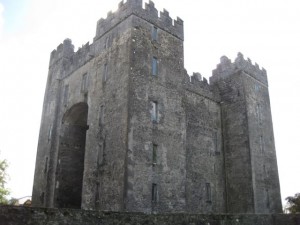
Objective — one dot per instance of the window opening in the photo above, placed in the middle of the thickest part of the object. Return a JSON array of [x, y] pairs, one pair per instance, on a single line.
[[101, 115], [46, 165], [154, 33], [261, 143], [154, 111], [154, 192], [258, 113], [66, 94], [84, 83], [154, 154], [208, 192], [50, 133], [105, 73], [154, 66]]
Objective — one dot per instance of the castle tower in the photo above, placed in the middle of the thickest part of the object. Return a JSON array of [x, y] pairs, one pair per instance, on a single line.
[[125, 128], [252, 182], [91, 111]]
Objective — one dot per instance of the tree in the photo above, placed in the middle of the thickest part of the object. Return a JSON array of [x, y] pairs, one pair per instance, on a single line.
[[3, 178], [293, 203]]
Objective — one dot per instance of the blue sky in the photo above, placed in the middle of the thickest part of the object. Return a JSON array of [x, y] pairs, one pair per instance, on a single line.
[[267, 31], [14, 13]]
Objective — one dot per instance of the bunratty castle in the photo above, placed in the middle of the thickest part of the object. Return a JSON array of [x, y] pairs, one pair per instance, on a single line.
[[125, 128]]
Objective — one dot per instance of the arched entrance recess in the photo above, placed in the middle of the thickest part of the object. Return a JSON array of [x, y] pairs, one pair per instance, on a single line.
[[71, 157]]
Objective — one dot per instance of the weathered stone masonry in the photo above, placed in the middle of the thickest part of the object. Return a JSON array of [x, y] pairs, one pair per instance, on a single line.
[[125, 128]]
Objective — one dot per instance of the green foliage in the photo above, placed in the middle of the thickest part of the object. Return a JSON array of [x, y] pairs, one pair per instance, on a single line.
[[3, 178], [293, 203]]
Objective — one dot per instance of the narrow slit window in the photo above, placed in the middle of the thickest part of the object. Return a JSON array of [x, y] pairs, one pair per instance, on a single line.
[[215, 139], [154, 66], [208, 192], [154, 111], [258, 113], [154, 154], [267, 199], [46, 165], [106, 42], [84, 83], [50, 133], [154, 33], [105, 73], [261, 143], [154, 193], [66, 94], [101, 115]]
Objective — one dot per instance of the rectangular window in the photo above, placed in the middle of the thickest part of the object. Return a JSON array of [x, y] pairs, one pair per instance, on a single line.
[[154, 33], [154, 111], [101, 115], [208, 192], [106, 42], [154, 66], [258, 113], [66, 94], [267, 199], [105, 73], [154, 193], [154, 154], [50, 133], [84, 83], [46, 165], [261, 143], [215, 139]]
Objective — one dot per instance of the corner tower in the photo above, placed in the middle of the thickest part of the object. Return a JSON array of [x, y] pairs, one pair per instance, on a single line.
[[252, 182], [85, 149]]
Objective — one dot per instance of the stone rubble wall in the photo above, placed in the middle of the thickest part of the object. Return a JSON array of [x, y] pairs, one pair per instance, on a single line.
[[10, 215]]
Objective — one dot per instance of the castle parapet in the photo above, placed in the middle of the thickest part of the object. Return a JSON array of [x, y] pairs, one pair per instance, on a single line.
[[72, 60], [226, 68], [150, 14], [199, 85], [64, 50]]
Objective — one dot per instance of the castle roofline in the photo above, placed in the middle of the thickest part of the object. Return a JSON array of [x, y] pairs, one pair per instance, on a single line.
[[149, 13], [226, 68]]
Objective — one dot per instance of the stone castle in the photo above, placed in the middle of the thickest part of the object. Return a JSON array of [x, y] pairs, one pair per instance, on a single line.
[[125, 128]]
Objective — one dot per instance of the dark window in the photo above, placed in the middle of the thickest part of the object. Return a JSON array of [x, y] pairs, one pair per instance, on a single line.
[[154, 33], [154, 154], [46, 165], [106, 42], [154, 192], [66, 94], [154, 66], [261, 143], [215, 140], [50, 133], [84, 83], [208, 192], [267, 199]]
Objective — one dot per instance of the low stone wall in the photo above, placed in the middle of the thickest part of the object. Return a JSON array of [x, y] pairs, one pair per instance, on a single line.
[[42, 216]]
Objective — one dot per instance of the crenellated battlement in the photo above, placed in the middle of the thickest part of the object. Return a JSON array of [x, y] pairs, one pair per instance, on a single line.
[[72, 60], [226, 68], [64, 50], [199, 85], [149, 13]]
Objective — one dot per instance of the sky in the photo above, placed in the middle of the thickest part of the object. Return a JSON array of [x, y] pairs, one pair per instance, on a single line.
[[267, 31]]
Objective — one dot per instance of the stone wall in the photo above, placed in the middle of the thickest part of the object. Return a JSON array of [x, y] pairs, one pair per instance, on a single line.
[[41, 216]]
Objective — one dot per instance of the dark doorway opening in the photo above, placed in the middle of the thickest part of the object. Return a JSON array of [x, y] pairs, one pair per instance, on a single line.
[[70, 165]]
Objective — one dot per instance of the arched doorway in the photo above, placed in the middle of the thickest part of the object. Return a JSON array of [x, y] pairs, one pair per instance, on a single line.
[[71, 157]]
